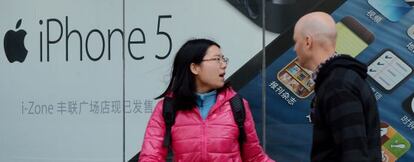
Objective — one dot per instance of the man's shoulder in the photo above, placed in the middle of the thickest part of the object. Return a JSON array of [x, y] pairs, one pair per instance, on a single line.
[[342, 80]]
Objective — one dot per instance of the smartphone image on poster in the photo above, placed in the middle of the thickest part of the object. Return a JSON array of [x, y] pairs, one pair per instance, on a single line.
[[253, 79]]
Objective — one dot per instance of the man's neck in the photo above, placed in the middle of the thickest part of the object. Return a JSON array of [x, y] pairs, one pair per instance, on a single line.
[[317, 69], [321, 57]]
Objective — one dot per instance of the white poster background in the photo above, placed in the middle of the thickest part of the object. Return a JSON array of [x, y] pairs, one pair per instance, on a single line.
[[30, 133], [61, 136]]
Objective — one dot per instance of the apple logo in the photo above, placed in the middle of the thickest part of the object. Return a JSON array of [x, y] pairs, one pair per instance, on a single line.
[[14, 44]]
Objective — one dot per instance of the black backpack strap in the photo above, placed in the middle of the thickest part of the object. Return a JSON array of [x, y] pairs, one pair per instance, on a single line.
[[168, 113], [239, 114], [135, 158]]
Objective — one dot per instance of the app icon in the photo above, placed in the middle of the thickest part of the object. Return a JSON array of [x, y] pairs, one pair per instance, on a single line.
[[410, 32], [388, 70], [352, 37], [393, 10], [394, 145], [408, 105], [296, 79]]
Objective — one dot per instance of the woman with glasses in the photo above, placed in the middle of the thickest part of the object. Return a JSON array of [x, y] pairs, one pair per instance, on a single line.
[[204, 127]]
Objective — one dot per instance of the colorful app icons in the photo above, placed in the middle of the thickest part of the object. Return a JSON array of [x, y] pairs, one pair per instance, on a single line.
[[394, 145], [410, 31], [296, 79], [408, 105], [352, 37], [388, 70], [393, 10]]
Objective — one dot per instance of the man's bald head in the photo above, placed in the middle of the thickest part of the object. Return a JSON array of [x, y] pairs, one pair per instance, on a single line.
[[318, 25], [315, 39]]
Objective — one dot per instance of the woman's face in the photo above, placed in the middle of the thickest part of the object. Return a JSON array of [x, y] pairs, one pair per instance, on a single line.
[[209, 74]]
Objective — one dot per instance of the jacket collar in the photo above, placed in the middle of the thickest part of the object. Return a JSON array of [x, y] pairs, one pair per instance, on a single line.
[[342, 61], [223, 95]]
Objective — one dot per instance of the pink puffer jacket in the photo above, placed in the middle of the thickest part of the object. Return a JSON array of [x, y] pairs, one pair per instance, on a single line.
[[214, 139]]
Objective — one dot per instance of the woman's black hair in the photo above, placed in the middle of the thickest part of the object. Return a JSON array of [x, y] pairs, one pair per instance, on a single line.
[[182, 83]]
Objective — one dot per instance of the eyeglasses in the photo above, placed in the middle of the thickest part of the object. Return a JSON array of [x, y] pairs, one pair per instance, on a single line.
[[219, 60]]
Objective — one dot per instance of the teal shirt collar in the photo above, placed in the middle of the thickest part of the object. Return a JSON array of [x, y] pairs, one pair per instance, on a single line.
[[205, 101]]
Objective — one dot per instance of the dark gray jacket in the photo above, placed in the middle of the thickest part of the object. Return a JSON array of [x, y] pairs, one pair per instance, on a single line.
[[344, 114]]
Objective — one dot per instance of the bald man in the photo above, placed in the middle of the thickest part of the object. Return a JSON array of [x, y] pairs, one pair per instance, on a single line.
[[344, 110]]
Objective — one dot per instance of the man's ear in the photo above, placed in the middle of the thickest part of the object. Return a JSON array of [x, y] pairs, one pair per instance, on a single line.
[[308, 41], [194, 68]]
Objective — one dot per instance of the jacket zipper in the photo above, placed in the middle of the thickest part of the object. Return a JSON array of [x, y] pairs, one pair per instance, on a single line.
[[203, 138], [204, 145]]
